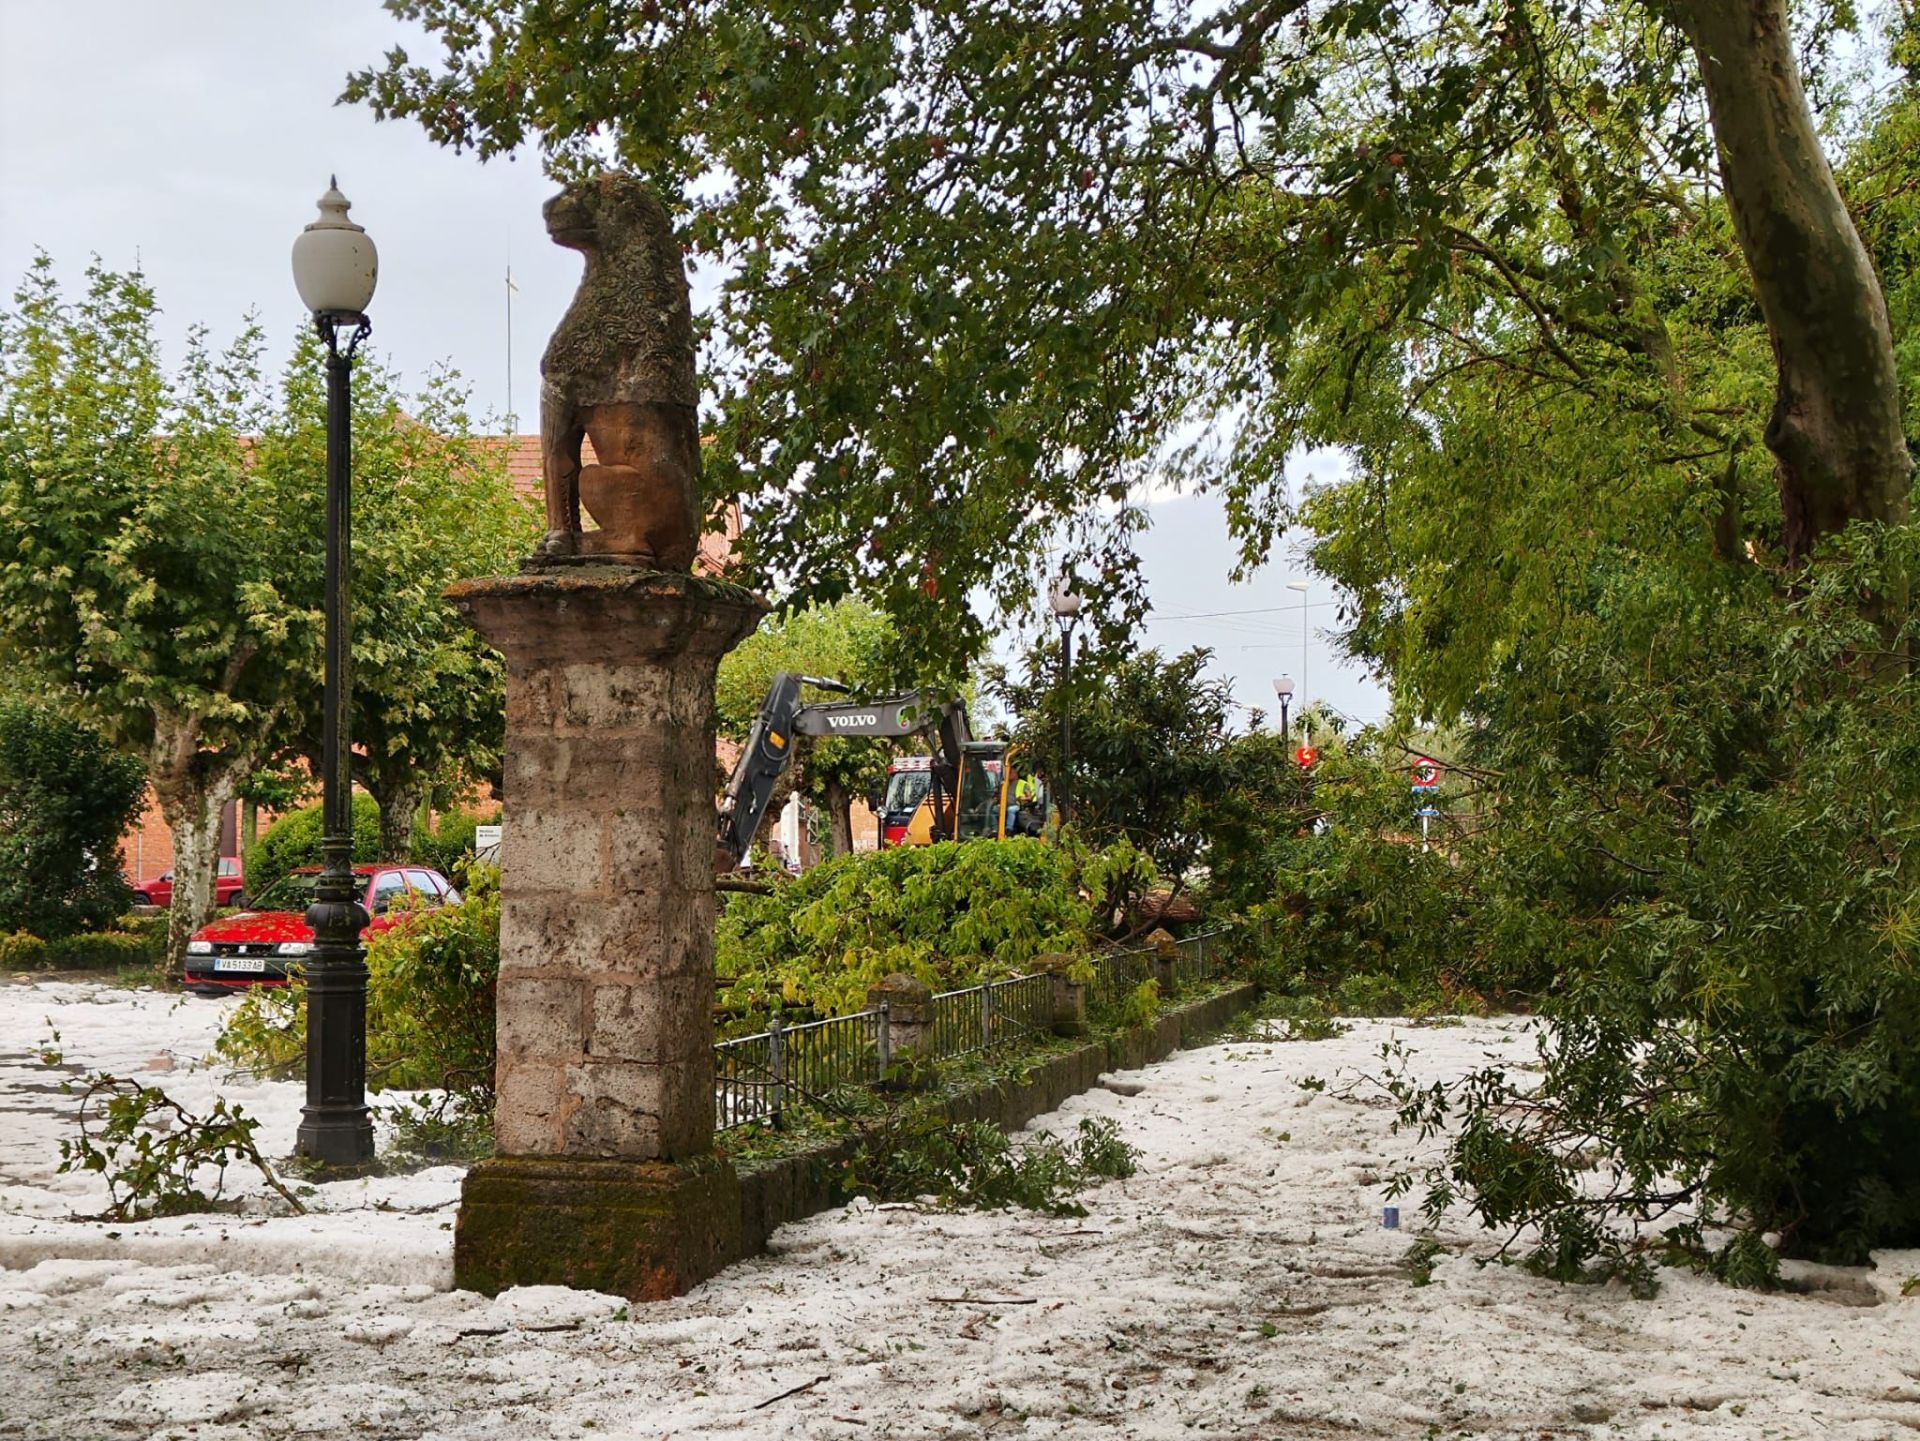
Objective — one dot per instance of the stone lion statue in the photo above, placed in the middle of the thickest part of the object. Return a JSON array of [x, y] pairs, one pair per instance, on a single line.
[[619, 372]]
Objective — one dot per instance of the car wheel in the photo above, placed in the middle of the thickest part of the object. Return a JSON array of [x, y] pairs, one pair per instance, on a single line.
[[239, 901]]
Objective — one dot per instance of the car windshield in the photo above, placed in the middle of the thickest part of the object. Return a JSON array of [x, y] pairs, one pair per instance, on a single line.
[[289, 893]]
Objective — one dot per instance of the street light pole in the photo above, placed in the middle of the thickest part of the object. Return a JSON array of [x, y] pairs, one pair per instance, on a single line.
[[1066, 612], [1302, 586], [335, 267]]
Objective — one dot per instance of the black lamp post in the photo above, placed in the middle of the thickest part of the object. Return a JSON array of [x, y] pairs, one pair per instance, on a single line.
[[335, 266], [1283, 691], [1066, 611]]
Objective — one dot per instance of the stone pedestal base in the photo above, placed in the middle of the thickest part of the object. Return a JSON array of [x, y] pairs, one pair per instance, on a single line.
[[605, 1178], [645, 1230]]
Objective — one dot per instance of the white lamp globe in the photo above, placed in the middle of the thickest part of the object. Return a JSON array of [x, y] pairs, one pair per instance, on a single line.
[[1283, 687], [1063, 601], [335, 265]]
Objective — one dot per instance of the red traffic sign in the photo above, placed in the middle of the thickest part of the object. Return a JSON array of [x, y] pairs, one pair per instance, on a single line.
[[1306, 755], [1426, 773]]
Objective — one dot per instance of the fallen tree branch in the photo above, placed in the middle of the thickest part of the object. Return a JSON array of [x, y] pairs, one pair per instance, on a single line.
[[790, 1391]]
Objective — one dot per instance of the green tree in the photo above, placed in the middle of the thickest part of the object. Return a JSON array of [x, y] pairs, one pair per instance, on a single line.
[[987, 261], [432, 505], [1150, 744], [149, 576], [849, 642], [66, 799], [1264, 801], [294, 840], [1695, 767], [1575, 290]]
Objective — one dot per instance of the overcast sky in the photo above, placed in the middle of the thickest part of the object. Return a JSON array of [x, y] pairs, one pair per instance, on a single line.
[[192, 137]]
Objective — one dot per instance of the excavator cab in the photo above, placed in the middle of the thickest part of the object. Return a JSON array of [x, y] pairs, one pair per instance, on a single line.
[[917, 809], [1026, 802], [980, 813]]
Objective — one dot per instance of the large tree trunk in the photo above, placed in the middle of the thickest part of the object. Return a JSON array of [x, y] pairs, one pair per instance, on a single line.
[[840, 817], [192, 805], [399, 791], [1836, 429]]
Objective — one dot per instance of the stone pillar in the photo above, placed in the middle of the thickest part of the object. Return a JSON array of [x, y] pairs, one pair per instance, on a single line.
[[605, 1177], [909, 1006], [1069, 997], [1166, 955]]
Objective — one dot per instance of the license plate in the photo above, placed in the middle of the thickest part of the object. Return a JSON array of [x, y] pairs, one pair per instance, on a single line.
[[255, 964]]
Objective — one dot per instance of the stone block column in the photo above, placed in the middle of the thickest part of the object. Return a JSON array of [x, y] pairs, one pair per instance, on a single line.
[[605, 1177], [1068, 996], [1166, 960], [909, 1008]]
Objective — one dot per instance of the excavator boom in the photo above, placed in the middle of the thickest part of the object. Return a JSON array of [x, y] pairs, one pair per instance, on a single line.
[[769, 747]]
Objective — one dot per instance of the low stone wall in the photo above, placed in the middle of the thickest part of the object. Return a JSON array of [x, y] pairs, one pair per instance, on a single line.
[[773, 1193]]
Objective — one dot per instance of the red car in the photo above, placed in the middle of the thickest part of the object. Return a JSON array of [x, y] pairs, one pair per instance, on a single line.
[[229, 886], [257, 947]]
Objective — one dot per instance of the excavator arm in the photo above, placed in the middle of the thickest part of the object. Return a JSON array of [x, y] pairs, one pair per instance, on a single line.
[[783, 715]]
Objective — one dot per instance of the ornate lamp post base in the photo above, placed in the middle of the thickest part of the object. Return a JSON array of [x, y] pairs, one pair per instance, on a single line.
[[336, 1126]]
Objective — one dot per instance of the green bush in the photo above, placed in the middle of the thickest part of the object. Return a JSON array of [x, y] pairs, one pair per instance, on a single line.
[[20, 951], [66, 798], [104, 951], [89, 951], [152, 927], [1141, 1005], [974, 1165], [951, 914], [430, 1004], [294, 841], [437, 975]]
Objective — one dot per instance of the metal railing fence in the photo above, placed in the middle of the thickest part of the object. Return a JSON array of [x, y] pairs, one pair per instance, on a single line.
[[1116, 974], [757, 1076], [1023, 1007], [979, 1017], [1193, 965], [745, 1081]]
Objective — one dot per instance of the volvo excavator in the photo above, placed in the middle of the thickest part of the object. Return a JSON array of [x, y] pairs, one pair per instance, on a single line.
[[972, 784]]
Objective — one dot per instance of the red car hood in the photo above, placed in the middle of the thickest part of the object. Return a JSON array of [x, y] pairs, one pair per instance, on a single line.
[[258, 926]]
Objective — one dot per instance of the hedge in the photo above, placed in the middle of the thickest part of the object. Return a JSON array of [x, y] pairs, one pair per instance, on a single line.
[[294, 841], [22, 952], [89, 951]]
